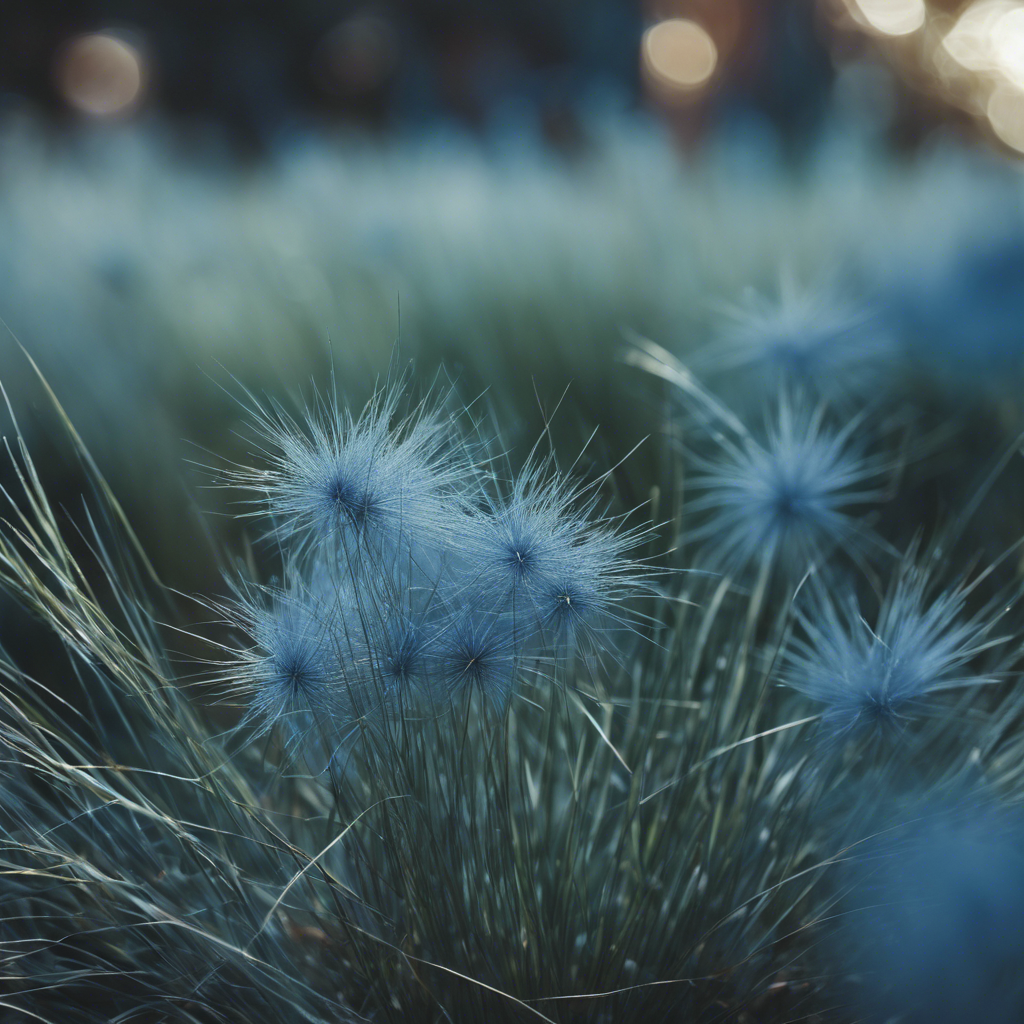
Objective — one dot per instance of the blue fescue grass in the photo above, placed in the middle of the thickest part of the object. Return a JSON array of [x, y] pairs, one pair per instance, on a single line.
[[161, 903], [417, 573], [483, 762], [628, 845], [781, 500], [479, 651]]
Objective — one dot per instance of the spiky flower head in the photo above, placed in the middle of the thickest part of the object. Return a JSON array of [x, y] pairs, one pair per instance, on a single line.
[[288, 674], [479, 651], [543, 554], [789, 499], [377, 480], [877, 677], [435, 580]]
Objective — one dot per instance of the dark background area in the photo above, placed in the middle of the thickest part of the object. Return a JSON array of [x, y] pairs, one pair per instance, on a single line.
[[262, 70]]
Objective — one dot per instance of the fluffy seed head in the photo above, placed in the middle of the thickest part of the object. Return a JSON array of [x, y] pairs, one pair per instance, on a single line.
[[788, 499], [479, 651], [544, 556], [291, 671], [875, 678], [402, 634], [586, 596], [430, 583], [370, 480], [520, 544]]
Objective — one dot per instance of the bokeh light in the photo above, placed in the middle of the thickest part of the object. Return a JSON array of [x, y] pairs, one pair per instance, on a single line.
[[100, 75], [1006, 115], [893, 17], [967, 53], [1008, 42], [679, 56], [970, 42]]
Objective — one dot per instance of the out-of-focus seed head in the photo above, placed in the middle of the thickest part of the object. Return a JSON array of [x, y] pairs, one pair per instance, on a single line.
[[789, 499], [810, 338], [932, 916]]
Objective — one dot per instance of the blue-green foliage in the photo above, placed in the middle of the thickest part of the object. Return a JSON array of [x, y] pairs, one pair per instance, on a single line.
[[657, 840], [903, 640]]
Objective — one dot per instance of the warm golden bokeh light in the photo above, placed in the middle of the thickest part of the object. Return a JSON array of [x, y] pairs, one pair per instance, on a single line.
[[679, 55], [893, 17], [1006, 114], [970, 53], [970, 42], [1008, 45], [100, 75]]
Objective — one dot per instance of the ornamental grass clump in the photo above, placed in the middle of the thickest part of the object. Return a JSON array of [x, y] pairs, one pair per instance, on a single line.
[[414, 574], [630, 844], [482, 761]]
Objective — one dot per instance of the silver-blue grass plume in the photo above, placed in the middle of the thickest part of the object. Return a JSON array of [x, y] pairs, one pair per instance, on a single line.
[[541, 551], [384, 480], [440, 580]]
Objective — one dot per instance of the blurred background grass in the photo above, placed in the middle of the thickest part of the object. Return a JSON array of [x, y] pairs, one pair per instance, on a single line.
[[197, 199]]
